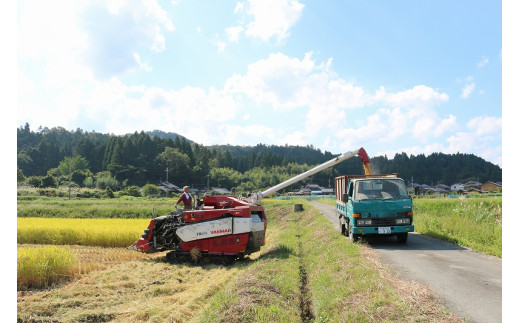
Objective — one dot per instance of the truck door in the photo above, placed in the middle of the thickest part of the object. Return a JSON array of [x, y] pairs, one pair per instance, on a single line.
[[349, 206]]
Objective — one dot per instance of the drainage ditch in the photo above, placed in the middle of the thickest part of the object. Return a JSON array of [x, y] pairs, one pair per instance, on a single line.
[[306, 310]]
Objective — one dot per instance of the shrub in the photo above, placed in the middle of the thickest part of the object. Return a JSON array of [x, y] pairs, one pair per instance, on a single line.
[[79, 177], [151, 190], [131, 191], [35, 181], [49, 181], [89, 182], [109, 192]]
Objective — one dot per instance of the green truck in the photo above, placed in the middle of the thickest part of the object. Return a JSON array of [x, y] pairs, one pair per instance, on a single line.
[[373, 205]]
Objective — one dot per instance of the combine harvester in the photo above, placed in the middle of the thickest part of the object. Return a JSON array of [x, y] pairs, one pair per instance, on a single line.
[[223, 225]]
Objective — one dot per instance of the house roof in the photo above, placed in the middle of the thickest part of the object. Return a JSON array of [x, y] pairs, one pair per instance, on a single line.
[[220, 190], [494, 183], [167, 186]]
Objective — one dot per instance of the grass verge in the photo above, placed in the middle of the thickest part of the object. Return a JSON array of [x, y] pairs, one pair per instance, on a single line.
[[308, 273]]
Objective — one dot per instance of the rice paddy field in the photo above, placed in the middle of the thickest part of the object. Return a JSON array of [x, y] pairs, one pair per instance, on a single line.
[[85, 232], [472, 222], [76, 268]]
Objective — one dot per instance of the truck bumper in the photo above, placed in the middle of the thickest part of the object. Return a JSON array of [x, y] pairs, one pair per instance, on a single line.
[[375, 230]]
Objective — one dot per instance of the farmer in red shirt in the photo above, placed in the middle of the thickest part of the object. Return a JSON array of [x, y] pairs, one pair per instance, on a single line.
[[186, 198]]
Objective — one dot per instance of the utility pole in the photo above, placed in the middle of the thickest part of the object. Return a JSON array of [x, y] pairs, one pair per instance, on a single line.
[[207, 187], [70, 174], [166, 174]]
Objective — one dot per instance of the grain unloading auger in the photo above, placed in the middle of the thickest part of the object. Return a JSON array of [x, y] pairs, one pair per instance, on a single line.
[[222, 225]]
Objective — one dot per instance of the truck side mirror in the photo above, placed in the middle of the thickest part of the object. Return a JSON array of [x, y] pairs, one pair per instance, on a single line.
[[345, 198]]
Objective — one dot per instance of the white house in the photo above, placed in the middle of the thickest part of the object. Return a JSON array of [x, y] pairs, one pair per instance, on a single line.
[[457, 187]]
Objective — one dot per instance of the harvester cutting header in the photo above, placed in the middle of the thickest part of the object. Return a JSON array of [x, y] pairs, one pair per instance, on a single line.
[[223, 225]]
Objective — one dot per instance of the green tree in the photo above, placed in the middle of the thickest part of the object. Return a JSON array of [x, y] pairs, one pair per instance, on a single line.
[[19, 177], [105, 179], [225, 177], [72, 164], [177, 164]]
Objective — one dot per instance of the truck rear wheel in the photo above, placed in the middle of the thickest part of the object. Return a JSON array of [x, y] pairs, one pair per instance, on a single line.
[[402, 237], [341, 228]]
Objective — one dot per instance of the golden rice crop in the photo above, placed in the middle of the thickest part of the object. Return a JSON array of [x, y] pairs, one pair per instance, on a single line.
[[43, 266], [88, 232]]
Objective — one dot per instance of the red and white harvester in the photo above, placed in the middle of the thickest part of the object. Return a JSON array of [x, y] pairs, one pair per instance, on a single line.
[[221, 225]]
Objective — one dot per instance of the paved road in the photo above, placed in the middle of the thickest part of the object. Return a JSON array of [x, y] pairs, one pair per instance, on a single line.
[[470, 283]]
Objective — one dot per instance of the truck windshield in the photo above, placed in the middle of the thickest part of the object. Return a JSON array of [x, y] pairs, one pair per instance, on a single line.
[[380, 189]]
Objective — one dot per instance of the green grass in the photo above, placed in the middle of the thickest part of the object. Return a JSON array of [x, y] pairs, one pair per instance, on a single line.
[[472, 222], [307, 265], [125, 207]]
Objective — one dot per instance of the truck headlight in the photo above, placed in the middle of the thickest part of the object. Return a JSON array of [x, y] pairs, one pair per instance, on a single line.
[[402, 221], [364, 222]]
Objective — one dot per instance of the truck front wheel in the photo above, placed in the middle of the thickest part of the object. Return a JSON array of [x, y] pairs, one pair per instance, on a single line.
[[353, 237], [402, 237]]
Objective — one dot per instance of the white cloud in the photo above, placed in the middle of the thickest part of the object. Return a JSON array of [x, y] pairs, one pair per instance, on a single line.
[[296, 138], [217, 41], [483, 62], [233, 33], [239, 7], [272, 18], [114, 35], [420, 96], [240, 134], [282, 82], [285, 82], [467, 90], [445, 125], [102, 36], [485, 125], [414, 150]]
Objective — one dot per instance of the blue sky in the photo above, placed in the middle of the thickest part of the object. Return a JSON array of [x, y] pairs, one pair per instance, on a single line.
[[390, 76]]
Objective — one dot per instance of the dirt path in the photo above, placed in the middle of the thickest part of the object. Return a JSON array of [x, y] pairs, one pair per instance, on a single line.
[[469, 282]]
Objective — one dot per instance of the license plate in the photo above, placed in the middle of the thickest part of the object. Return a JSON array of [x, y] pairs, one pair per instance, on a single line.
[[384, 230]]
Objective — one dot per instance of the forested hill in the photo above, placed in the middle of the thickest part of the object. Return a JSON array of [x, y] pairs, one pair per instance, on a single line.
[[141, 158]]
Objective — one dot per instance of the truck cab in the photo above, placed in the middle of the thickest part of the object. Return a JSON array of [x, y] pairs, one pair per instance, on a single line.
[[373, 205]]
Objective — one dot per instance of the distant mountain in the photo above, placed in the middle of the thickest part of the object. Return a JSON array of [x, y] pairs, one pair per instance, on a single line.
[[166, 135], [133, 158]]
